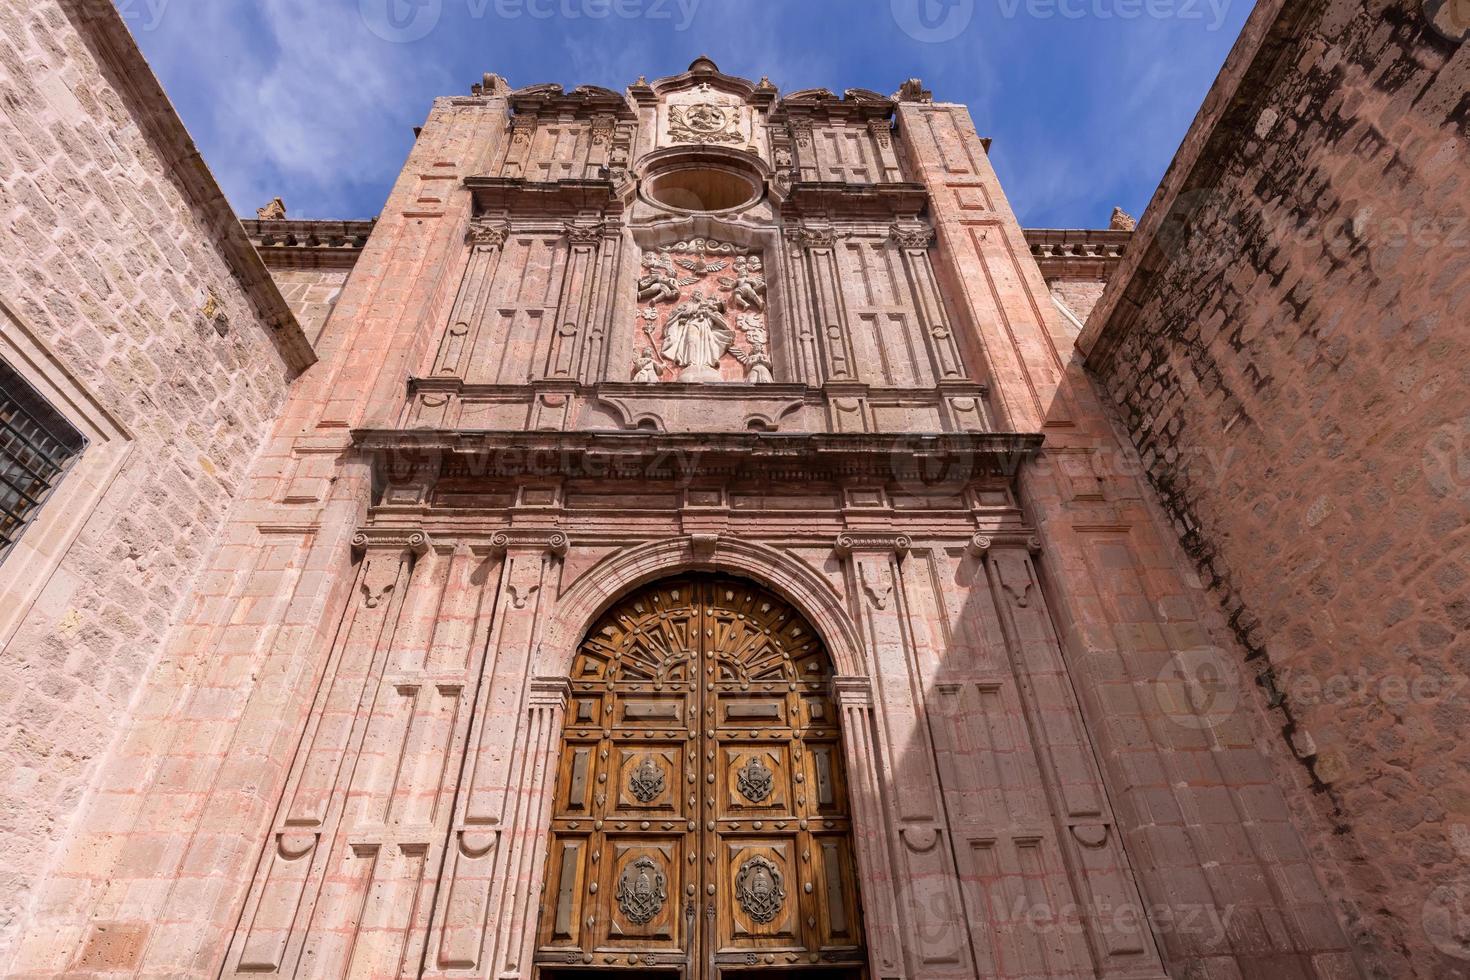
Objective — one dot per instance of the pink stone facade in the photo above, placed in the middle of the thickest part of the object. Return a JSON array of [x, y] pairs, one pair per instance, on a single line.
[[1286, 349], [554, 374], [131, 300]]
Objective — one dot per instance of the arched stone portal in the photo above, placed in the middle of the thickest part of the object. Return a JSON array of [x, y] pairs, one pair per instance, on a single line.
[[701, 823]]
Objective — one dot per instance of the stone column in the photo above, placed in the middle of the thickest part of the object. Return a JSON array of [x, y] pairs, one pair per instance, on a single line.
[[872, 832], [929, 907], [525, 864]]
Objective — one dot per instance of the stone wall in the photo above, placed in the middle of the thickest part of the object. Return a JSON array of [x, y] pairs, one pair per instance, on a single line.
[[133, 300], [312, 294], [1286, 346]]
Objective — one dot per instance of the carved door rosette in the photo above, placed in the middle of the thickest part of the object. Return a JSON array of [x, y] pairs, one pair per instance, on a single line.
[[1086, 828]]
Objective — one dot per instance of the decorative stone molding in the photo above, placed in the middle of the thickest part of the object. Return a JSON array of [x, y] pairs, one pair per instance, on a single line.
[[412, 539], [550, 540], [849, 544], [913, 90]]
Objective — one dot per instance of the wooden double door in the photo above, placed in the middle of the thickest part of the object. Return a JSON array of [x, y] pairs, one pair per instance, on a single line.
[[701, 826]]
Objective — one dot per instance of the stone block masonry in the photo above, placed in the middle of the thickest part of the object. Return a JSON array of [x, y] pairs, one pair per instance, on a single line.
[[1286, 347], [130, 296]]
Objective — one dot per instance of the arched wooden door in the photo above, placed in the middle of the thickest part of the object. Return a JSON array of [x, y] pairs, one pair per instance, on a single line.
[[701, 825]]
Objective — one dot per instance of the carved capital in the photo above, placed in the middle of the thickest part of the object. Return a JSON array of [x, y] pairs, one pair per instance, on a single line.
[[912, 236], [549, 693], [983, 543], [882, 131], [804, 236], [486, 237], [853, 692], [852, 543], [379, 538], [549, 540], [586, 234]]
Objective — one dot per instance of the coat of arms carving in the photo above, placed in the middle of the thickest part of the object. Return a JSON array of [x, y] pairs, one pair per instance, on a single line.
[[755, 781], [647, 781], [705, 122], [760, 890], [642, 891]]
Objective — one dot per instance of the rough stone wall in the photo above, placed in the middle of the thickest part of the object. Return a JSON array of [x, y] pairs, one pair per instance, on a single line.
[[109, 263], [312, 294], [1290, 358]]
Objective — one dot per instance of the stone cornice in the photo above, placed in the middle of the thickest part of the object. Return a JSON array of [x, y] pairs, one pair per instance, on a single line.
[[1078, 253], [517, 196], [294, 244], [102, 25]]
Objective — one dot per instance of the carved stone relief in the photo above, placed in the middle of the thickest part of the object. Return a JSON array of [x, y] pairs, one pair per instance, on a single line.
[[705, 315], [707, 117]]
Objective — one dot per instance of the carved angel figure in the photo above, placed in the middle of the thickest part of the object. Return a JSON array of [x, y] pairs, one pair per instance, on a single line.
[[661, 284], [645, 368], [747, 288], [696, 336], [757, 359]]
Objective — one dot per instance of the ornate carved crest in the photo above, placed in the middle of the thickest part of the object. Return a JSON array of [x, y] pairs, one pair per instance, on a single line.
[[760, 890], [755, 781], [642, 891], [647, 781], [705, 122], [705, 314]]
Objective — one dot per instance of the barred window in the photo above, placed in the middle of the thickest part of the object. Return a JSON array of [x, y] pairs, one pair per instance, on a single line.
[[37, 446]]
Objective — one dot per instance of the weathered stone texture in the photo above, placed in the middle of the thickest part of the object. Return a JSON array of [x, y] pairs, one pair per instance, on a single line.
[[312, 294], [1289, 354], [108, 258]]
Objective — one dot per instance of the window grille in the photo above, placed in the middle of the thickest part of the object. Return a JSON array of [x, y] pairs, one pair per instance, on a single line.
[[37, 446]]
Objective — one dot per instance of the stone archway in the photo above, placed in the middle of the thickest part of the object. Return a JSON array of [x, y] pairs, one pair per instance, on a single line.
[[701, 824]]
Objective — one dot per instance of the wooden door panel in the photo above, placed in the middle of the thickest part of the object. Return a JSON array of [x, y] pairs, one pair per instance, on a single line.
[[643, 881], [757, 780], [648, 781], [760, 910], [701, 820]]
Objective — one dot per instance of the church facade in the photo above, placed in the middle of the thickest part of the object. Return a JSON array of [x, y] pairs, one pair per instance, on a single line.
[[689, 545]]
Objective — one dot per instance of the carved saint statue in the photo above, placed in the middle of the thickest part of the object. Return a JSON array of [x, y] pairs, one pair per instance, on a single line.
[[747, 288], [645, 368], [696, 336], [661, 284]]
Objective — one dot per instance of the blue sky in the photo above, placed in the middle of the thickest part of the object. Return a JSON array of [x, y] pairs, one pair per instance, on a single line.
[[316, 100]]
